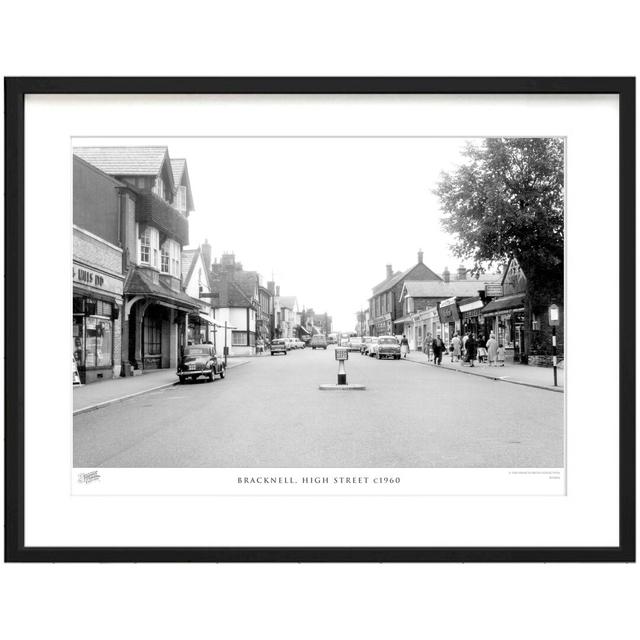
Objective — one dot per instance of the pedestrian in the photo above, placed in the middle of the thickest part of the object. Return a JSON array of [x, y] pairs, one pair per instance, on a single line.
[[492, 350], [456, 343], [482, 350], [438, 347], [426, 346], [471, 346], [404, 346], [500, 355]]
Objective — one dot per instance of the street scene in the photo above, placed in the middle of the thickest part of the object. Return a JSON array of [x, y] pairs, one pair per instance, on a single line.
[[211, 337]]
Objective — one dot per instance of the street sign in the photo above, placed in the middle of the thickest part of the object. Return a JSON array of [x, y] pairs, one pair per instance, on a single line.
[[554, 315], [342, 353]]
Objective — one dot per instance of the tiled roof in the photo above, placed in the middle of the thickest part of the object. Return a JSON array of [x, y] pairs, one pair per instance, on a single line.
[[389, 282], [140, 282], [125, 161], [177, 166], [441, 289], [235, 289]]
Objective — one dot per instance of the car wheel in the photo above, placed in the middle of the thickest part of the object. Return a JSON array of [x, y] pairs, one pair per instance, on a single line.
[[222, 373], [212, 375]]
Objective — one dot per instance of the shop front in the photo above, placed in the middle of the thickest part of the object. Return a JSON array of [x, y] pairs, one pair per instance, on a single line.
[[450, 320], [199, 329], [426, 326], [472, 321], [505, 317], [97, 300], [384, 325]]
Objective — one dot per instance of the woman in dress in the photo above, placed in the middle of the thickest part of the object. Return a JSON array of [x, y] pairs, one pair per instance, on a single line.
[[404, 346], [492, 349], [456, 343]]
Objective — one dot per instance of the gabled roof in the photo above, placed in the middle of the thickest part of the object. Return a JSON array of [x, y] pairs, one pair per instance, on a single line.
[[441, 289], [181, 177], [125, 161], [188, 260], [235, 289], [391, 282], [106, 176]]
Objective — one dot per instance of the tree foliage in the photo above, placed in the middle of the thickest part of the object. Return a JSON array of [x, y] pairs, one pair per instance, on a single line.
[[507, 201]]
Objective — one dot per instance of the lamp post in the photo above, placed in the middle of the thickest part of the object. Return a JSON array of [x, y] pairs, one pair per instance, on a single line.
[[554, 321]]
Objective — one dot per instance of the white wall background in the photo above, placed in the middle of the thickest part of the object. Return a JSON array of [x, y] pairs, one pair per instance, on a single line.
[[335, 601]]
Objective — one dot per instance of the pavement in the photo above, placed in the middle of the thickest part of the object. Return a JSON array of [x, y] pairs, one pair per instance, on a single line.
[[538, 377], [270, 413], [92, 396]]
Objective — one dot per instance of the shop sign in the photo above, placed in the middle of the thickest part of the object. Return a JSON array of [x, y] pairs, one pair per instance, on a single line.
[[448, 310], [85, 276], [493, 290]]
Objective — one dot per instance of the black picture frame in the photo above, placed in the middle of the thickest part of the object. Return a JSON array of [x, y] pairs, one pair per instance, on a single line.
[[15, 91]]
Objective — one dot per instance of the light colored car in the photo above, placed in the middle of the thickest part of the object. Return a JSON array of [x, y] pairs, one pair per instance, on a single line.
[[366, 340], [369, 347], [290, 343], [354, 344], [387, 347], [299, 344]]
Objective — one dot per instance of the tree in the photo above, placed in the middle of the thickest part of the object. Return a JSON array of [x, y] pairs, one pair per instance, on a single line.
[[507, 201]]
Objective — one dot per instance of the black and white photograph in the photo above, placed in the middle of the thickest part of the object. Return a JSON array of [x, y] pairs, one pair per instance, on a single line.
[[318, 302]]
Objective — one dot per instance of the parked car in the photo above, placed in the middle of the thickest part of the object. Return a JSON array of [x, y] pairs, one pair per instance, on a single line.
[[366, 341], [354, 344], [370, 346], [200, 361], [299, 343], [290, 343], [318, 342], [279, 345], [387, 347]]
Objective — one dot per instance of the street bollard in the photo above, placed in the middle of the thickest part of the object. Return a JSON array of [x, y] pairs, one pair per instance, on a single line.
[[342, 354]]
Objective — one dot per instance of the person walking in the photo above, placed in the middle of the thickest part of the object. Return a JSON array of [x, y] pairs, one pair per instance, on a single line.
[[438, 347], [426, 346], [456, 343], [471, 346], [482, 349], [492, 350], [404, 346]]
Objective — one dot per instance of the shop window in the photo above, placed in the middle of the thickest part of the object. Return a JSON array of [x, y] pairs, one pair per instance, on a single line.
[[152, 336], [98, 340], [239, 338]]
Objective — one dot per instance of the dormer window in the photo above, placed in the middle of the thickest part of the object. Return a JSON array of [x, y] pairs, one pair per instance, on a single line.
[[181, 198], [170, 258]]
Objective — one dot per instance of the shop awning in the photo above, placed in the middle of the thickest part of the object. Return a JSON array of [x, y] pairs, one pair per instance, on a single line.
[[139, 282], [202, 317], [301, 327], [403, 320], [506, 303]]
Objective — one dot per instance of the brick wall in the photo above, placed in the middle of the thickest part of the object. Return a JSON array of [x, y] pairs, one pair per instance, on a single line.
[[96, 253]]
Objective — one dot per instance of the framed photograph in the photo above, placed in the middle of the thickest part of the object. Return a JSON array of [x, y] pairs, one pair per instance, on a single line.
[[320, 319]]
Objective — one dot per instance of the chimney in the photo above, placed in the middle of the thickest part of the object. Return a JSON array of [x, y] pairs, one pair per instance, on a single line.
[[206, 254], [271, 287], [462, 273], [420, 256], [389, 271], [227, 261], [446, 276]]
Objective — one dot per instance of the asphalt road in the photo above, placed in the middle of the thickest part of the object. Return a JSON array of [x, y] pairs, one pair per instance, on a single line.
[[270, 413]]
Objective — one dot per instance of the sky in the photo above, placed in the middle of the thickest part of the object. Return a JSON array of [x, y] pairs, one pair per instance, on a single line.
[[324, 216]]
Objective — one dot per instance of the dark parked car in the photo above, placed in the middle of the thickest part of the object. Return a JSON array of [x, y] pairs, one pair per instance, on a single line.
[[200, 360], [279, 346], [318, 342]]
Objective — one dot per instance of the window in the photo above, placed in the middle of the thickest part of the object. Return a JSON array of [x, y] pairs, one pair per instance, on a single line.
[[239, 338], [164, 257], [181, 194], [158, 187], [149, 250]]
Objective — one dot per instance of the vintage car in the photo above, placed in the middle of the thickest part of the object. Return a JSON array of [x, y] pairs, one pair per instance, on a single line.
[[200, 360], [354, 344], [279, 345], [387, 347], [366, 341], [370, 346], [299, 343], [318, 342]]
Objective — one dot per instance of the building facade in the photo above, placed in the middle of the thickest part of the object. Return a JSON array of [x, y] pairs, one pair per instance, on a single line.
[[150, 233]]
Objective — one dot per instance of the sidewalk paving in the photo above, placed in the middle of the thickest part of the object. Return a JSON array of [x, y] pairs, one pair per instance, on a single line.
[[99, 394], [539, 377]]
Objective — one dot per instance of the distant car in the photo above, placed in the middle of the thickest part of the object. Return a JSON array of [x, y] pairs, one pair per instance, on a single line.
[[370, 346], [299, 343], [387, 347], [318, 342], [290, 343], [354, 344], [332, 340], [200, 361], [279, 345]]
